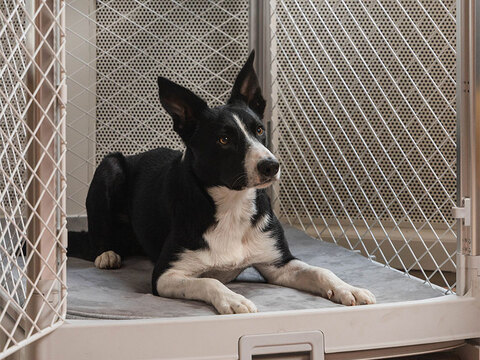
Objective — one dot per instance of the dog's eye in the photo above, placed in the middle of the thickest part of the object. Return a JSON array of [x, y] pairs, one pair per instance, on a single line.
[[260, 130], [224, 140]]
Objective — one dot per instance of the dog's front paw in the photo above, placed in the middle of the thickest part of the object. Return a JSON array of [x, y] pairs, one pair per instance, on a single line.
[[350, 295], [233, 303], [108, 260]]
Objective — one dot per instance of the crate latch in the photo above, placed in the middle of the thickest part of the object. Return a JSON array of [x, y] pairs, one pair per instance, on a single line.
[[464, 212]]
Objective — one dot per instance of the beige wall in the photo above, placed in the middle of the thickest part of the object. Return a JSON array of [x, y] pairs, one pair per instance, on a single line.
[[81, 55]]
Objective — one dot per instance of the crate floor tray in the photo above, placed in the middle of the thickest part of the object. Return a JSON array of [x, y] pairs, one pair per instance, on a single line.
[[125, 293]]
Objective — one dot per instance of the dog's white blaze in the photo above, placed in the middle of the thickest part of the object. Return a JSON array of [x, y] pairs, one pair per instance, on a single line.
[[256, 152]]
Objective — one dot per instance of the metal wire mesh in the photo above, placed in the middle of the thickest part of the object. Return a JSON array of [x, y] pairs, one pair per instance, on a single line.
[[366, 127], [32, 177], [117, 51]]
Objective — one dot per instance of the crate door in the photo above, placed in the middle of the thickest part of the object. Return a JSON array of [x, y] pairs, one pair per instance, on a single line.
[[364, 98], [32, 178]]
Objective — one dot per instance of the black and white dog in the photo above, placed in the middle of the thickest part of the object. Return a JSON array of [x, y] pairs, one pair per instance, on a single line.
[[202, 215]]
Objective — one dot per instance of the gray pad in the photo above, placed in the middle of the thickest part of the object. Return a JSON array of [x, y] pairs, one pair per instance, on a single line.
[[126, 293]]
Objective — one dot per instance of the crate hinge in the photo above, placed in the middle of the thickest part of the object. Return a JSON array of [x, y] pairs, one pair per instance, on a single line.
[[464, 212]]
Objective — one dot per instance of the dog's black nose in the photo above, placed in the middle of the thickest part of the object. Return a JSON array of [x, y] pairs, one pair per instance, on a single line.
[[268, 167]]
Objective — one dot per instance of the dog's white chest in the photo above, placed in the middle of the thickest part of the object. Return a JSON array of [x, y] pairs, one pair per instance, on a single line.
[[232, 235], [233, 242]]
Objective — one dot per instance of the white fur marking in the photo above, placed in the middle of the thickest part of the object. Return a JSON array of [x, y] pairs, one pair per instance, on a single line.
[[233, 244], [255, 153], [299, 275], [241, 125], [176, 285], [108, 260]]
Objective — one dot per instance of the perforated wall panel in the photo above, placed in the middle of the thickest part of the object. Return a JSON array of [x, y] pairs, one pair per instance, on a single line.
[[199, 44], [13, 63], [115, 52]]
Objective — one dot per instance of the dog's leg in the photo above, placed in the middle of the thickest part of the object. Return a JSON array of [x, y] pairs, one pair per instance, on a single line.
[[175, 284], [104, 201], [299, 275]]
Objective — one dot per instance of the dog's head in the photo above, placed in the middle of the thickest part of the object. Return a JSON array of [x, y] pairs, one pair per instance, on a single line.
[[226, 144]]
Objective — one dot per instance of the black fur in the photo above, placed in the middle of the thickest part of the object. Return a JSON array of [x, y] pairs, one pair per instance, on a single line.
[[157, 202]]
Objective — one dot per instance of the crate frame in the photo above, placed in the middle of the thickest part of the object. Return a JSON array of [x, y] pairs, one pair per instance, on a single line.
[[377, 330], [35, 211]]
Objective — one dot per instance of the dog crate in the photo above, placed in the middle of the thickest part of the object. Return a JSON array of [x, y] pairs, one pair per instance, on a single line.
[[371, 110]]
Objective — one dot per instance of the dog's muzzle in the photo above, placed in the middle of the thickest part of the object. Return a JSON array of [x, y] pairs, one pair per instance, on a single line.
[[268, 168]]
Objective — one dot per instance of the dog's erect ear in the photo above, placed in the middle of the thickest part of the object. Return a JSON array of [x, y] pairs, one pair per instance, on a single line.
[[183, 106], [247, 89]]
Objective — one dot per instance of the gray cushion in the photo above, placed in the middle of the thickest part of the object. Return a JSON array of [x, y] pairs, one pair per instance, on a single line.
[[125, 293]]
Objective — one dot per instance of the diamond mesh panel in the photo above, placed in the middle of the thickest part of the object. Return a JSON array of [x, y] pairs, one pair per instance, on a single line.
[[32, 180], [366, 127], [201, 45]]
